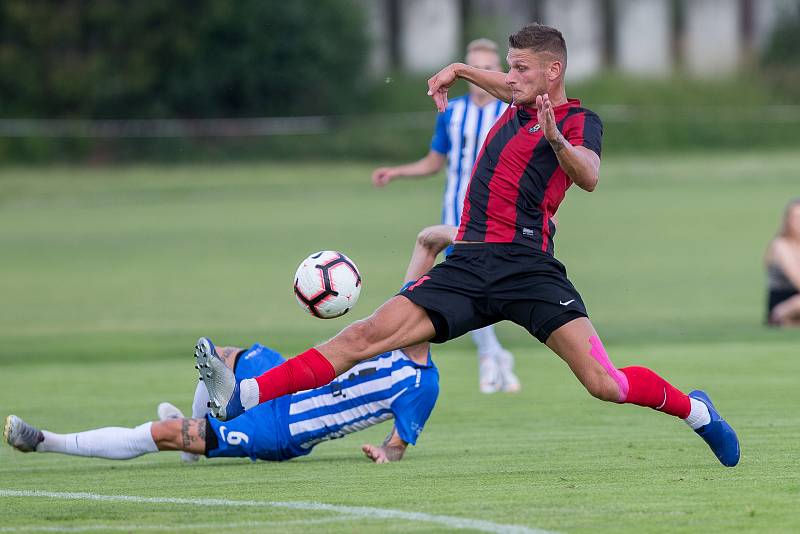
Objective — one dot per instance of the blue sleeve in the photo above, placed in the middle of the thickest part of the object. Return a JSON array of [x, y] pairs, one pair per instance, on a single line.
[[441, 140], [412, 408], [256, 360]]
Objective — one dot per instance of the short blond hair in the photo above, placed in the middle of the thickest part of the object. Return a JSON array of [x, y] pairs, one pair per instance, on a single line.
[[483, 44]]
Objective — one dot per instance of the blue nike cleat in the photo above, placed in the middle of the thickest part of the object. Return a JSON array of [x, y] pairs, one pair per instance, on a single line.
[[718, 434], [223, 389]]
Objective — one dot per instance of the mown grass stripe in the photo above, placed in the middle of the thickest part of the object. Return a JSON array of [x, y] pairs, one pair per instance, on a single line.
[[364, 512]]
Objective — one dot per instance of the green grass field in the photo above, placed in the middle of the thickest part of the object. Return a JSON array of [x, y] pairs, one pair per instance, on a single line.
[[108, 276]]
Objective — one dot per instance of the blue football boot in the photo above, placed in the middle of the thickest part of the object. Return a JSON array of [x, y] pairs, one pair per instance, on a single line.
[[223, 389], [718, 434]]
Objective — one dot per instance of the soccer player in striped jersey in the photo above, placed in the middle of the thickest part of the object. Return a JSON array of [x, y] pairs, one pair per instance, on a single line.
[[401, 384], [502, 266], [459, 134]]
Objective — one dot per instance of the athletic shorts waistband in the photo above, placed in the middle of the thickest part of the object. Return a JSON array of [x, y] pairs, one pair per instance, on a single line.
[[480, 246]]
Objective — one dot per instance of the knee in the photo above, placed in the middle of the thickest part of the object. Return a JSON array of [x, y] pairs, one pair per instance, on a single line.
[[603, 387]]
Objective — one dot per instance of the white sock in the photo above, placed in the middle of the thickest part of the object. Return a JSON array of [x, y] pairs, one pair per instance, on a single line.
[[699, 416], [248, 393], [200, 402], [486, 341], [113, 443]]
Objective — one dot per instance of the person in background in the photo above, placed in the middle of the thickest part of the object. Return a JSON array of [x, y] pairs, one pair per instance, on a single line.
[[783, 271]]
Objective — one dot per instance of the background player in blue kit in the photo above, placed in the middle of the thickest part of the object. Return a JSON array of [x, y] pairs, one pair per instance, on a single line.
[[457, 140], [401, 384]]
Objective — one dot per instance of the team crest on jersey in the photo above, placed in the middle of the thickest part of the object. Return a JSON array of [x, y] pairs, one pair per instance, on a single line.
[[534, 129]]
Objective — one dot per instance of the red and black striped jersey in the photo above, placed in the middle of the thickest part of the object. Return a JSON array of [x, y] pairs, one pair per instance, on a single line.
[[517, 184]]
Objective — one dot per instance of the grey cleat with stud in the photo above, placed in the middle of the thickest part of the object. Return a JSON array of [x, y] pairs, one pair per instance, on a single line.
[[223, 389], [21, 435]]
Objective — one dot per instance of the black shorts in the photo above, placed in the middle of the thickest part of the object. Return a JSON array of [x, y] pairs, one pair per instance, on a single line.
[[482, 283], [775, 297]]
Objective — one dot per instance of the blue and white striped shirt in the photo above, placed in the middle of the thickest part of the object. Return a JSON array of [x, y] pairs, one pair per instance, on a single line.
[[387, 386], [460, 132]]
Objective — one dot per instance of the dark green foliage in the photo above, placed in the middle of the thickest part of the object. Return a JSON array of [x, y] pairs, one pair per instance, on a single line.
[[178, 58], [782, 56], [784, 46]]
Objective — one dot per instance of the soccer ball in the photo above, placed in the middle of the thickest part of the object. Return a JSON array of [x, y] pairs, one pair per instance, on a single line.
[[327, 284]]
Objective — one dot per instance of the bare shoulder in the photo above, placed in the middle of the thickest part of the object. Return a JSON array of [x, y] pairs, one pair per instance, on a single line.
[[779, 245], [781, 249]]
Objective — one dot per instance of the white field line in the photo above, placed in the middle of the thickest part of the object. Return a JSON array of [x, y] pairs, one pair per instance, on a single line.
[[352, 512], [182, 526]]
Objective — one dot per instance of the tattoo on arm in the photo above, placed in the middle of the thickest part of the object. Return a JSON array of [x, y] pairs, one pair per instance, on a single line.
[[558, 144], [187, 439], [201, 429], [393, 446]]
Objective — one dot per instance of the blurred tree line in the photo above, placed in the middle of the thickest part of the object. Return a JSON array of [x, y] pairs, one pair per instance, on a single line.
[[179, 58], [782, 57], [136, 59]]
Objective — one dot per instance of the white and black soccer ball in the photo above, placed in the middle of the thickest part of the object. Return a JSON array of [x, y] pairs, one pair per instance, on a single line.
[[327, 284]]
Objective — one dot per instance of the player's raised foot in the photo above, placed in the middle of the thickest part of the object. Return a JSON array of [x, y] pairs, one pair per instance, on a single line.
[[21, 435], [167, 411], [223, 389], [509, 382], [488, 375], [718, 434]]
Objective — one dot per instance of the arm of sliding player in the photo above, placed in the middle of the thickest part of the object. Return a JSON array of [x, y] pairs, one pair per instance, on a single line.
[[391, 450]]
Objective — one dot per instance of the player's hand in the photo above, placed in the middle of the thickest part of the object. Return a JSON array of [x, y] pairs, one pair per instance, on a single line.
[[376, 454], [547, 118], [439, 83], [383, 176]]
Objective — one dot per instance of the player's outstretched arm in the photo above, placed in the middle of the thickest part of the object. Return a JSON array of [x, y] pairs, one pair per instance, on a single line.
[[426, 166], [392, 449], [493, 82]]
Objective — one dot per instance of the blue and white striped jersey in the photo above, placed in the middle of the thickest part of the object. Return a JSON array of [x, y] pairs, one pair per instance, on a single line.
[[387, 386], [460, 132]]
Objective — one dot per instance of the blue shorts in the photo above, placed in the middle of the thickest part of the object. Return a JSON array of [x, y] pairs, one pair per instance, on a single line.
[[256, 433]]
